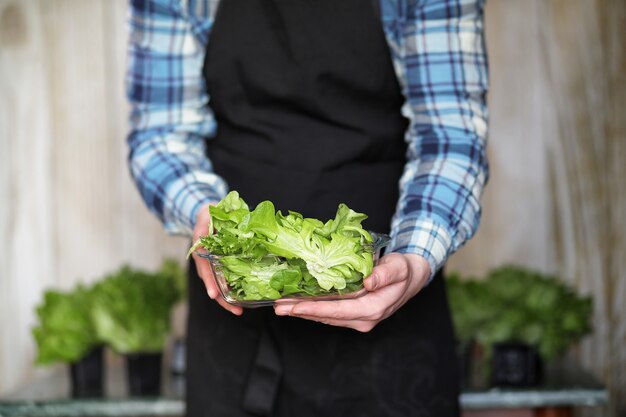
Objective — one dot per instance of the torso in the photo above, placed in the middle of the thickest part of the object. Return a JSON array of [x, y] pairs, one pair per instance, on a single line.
[[308, 111]]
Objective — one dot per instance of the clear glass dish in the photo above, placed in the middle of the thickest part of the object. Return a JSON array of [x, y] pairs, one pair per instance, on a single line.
[[379, 243]]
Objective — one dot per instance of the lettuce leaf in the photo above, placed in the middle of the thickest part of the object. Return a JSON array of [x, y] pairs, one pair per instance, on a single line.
[[65, 332], [131, 308], [332, 254]]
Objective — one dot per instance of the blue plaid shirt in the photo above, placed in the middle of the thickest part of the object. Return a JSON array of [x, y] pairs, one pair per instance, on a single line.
[[438, 52]]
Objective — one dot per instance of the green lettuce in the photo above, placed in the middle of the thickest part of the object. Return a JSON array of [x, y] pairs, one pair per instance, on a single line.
[[65, 331], [515, 304], [266, 254], [131, 308]]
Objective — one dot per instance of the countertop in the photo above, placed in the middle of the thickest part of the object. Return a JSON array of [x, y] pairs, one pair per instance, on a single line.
[[49, 396]]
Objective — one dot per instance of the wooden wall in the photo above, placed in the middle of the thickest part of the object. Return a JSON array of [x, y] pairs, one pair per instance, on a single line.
[[68, 209], [555, 200]]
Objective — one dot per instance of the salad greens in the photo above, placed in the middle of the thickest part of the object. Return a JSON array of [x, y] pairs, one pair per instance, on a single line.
[[128, 310], [265, 254], [131, 308], [514, 304], [65, 332]]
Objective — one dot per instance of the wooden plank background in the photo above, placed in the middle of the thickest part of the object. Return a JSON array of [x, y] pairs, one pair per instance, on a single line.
[[555, 201], [68, 209]]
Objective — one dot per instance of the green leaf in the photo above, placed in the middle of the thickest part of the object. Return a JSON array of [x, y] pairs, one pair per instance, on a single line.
[[131, 309], [516, 304], [65, 332], [286, 281], [333, 254], [347, 222]]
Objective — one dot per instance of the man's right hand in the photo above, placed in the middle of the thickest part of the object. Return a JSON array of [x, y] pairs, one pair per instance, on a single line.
[[202, 265]]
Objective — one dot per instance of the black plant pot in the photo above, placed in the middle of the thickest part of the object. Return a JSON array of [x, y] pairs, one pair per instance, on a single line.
[[87, 375], [516, 365], [144, 373]]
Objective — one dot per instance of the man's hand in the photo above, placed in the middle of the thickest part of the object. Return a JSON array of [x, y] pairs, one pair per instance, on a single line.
[[395, 279], [202, 265]]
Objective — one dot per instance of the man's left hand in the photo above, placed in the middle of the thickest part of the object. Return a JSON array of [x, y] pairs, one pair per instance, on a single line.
[[394, 280]]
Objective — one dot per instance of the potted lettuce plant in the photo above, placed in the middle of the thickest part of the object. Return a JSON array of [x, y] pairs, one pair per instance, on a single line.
[[65, 333], [131, 313], [521, 318]]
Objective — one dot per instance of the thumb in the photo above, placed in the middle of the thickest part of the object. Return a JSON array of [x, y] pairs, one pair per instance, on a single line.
[[391, 268], [203, 222]]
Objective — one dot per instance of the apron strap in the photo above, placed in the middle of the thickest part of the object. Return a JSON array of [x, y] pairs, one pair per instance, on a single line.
[[262, 386]]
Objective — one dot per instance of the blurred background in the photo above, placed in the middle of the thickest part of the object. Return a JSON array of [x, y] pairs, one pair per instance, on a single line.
[[555, 203]]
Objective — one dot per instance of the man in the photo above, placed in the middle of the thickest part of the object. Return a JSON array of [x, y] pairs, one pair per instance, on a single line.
[[309, 104]]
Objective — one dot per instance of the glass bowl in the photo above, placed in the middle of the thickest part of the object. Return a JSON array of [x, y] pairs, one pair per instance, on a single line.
[[231, 296]]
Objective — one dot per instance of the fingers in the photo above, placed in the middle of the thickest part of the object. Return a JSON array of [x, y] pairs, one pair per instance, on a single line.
[[214, 294], [339, 310], [203, 266], [236, 310], [373, 306], [346, 313], [204, 271], [203, 221], [362, 326], [388, 286], [391, 268]]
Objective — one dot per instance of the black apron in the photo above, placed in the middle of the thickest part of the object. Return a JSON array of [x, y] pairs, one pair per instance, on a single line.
[[308, 111]]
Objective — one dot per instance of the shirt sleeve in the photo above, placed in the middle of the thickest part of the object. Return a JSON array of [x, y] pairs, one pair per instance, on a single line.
[[170, 119], [444, 71]]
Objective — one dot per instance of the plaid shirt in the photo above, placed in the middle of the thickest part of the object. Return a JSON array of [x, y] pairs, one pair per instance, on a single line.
[[439, 56]]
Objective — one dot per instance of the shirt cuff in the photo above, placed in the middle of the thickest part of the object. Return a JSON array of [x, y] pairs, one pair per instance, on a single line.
[[187, 197], [424, 237]]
